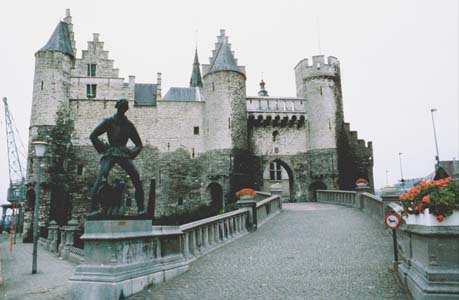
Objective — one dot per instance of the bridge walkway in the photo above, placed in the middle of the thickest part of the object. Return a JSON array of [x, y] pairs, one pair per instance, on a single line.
[[309, 251]]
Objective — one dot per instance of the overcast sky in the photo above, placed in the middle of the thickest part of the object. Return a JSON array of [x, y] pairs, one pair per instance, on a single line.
[[399, 59]]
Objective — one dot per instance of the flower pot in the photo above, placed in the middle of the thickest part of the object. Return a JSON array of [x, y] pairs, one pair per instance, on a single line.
[[427, 219]]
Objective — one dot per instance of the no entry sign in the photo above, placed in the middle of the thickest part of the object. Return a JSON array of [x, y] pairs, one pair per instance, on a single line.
[[392, 220]]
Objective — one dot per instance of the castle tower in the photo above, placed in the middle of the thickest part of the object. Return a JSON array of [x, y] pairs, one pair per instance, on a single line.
[[225, 93], [226, 138], [51, 87], [320, 84]]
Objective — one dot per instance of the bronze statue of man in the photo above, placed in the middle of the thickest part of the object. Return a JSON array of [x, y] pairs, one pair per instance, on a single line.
[[119, 130]]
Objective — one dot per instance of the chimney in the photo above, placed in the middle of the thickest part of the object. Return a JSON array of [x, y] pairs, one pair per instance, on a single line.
[[158, 86]]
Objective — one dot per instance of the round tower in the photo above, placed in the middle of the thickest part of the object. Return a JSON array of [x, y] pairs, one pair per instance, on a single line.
[[225, 93], [320, 84], [51, 85], [52, 77]]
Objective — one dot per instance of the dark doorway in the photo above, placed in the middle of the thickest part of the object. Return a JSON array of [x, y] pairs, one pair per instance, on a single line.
[[215, 195], [318, 185]]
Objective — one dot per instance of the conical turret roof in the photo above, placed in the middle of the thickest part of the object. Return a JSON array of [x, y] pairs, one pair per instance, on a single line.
[[223, 59], [196, 79], [60, 40]]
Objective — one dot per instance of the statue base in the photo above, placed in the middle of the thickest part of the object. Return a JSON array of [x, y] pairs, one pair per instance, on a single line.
[[122, 257]]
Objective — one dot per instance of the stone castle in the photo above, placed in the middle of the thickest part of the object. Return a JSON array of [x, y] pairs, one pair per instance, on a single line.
[[202, 142]]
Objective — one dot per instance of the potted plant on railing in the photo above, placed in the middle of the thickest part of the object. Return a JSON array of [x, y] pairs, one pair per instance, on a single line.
[[246, 194], [361, 182], [434, 202]]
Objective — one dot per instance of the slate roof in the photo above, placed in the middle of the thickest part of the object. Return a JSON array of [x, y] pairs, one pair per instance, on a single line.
[[196, 79], [145, 94], [181, 94], [224, 60], [60, 40]]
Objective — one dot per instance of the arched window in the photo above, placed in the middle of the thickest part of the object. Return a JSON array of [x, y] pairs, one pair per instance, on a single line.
[[275, 171]]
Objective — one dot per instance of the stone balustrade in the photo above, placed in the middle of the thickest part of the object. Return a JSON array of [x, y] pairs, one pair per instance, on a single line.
[[345, 198], [203, 236], [268, 208], [428, 255]]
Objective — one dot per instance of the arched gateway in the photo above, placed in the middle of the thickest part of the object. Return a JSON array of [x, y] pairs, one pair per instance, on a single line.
[[278, 179]]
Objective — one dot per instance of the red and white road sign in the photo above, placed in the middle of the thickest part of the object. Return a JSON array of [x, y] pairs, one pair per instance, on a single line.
[[392, 220]]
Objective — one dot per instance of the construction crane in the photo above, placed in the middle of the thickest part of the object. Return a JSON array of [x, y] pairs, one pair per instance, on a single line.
[[16, 189]]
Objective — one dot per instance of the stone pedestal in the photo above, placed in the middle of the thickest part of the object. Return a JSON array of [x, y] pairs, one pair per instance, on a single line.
[[430, 261], [251, 203], [122, 257]]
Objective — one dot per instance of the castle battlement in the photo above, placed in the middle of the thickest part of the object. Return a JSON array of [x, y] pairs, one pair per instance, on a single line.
[[318, 68]]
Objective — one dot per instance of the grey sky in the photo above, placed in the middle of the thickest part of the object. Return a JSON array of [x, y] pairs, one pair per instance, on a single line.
[[399, 58]]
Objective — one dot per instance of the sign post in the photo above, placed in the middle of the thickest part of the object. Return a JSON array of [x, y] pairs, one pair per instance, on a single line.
[[393, 221]]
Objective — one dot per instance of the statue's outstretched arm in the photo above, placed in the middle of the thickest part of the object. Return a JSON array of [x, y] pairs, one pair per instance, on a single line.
[[100, 146]]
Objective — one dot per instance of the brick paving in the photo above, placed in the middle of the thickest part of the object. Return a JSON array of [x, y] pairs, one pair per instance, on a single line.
[[50, 282], [309, 251]]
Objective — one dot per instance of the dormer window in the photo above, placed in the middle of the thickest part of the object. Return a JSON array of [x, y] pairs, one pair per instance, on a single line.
[[91, 70]]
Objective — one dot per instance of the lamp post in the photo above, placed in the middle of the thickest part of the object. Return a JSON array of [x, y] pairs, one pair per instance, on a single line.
[[435, 135], [387, 177], [40, 149], [402, 181]]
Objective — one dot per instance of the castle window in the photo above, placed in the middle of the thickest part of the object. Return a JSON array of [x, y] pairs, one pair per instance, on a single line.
[[196, 130], [192, 153], [180, 201], [80, 170], [42, 84], [92, 70], [213, 87], [275, 135], [91, 90], [275, 171], [229, 123], [321, 91]]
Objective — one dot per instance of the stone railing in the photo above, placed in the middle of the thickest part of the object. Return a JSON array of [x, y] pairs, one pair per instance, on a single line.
[[428, 255], [203, 236], [346, 198], [372, 205], [268, 208]]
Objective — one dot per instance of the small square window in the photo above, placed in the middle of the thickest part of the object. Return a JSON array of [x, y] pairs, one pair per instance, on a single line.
[[196, 130], [80, 169], [92, 70], [91, 90]]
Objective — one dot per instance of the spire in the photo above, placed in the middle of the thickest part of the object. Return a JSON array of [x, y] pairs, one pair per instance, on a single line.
[[196, 79], [223, 59], [60, 40], [263, 92]]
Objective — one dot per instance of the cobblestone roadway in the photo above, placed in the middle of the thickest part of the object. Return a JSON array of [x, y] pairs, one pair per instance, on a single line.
[[50, 282], [309, 251]]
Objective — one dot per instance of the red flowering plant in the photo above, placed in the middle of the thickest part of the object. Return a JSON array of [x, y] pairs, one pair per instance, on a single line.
[[246, 192], [441, 197], [361, 181]]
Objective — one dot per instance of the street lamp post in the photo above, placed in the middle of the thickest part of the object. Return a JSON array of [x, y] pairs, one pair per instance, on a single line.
[[40, 149], [387, 177], [402, 181], [435, 135]]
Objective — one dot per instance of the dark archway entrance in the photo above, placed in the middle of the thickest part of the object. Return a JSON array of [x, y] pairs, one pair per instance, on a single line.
[[279, 179], [215, 195], [317, 185]]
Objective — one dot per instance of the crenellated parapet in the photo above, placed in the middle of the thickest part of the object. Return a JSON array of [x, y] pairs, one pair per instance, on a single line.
[[319, 68], [271, 111]]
